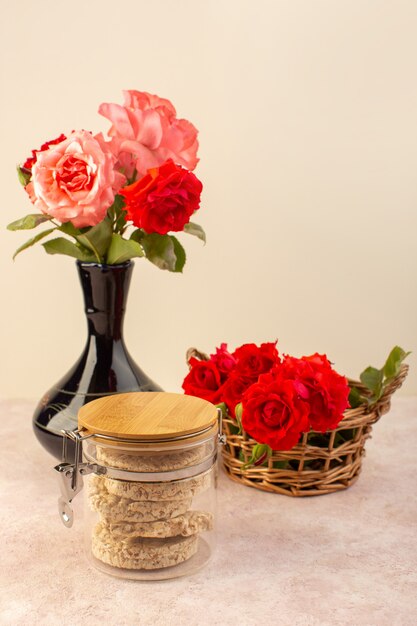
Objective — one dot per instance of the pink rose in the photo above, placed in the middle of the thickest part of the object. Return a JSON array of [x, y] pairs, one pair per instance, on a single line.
[[75, 180], [146, 133]]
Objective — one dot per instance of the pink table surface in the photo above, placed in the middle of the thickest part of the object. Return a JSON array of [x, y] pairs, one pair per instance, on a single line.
[[346, 558]]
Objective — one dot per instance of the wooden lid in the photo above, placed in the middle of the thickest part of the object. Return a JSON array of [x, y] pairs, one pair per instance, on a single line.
[[147, 415]]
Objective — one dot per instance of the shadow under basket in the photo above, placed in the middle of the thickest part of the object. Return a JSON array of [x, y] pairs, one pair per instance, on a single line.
[[320, 463]]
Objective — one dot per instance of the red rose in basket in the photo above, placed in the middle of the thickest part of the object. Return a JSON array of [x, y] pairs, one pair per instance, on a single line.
[[225, 376], [274, 412], [325, 390], [277, 400], [285, 420], [224, 361], [252, 361], [203, 381]]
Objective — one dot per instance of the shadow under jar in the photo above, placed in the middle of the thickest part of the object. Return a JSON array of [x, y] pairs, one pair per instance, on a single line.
[[149, 463]]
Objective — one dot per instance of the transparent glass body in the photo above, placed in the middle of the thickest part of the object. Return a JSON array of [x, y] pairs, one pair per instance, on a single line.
[[150, 509]]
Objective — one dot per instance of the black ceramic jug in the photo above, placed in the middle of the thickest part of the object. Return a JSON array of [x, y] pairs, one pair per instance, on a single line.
[[105, 366]]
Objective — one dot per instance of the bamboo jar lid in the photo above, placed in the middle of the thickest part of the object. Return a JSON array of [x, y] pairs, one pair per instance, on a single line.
[[147, 416]]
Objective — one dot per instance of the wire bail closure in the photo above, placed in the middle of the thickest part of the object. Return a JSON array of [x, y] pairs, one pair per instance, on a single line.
[[70, 475], [221, 436]]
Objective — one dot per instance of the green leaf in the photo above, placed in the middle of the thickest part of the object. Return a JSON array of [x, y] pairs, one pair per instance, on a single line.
[[234, 429], [179, 253], [222, 407], [344, 435], [260, 454], [23, 175], [60, 245], [195, 229], [376, 380], [318, 440], [138, 235], [355, 398], [164, 251], [34, 240], [69, 229], [118, 204], [121, 221], [280, 464], [97, 239], [117, 214], [238, 415], [122, 250], [29, 221], [372, 379], [393, 363]]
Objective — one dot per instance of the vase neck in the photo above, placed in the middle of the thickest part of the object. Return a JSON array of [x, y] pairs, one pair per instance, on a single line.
[[105, 289]]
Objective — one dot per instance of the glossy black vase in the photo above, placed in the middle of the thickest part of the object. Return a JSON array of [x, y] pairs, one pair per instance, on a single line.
[[105, 367]]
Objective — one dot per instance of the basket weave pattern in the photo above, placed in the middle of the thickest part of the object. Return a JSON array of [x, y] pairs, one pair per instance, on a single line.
[[310, 470]]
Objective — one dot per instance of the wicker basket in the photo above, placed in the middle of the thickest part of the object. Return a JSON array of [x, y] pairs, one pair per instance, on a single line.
[[308, 469]]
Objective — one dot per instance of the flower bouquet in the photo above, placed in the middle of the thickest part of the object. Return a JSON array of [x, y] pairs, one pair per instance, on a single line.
[[293, 425], [112, 200], [105, 201]]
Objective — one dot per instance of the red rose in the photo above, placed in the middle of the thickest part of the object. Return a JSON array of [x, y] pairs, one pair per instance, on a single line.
[[326, 390], [274, 413], [224, 360], [252, 361], [329, 393], [203, 381], [233, 390], [164, 199], [30, 161]]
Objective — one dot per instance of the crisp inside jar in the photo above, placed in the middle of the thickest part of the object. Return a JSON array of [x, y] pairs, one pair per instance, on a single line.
[[150, 501]]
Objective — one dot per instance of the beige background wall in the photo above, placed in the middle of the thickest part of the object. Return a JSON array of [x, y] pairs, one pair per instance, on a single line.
[[307, 117]]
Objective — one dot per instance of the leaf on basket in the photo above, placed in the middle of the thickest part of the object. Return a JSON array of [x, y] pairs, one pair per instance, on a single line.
[[280, 464], [355, 398], [394, 361], [375, 380], [372, 379], [222, 407], [320, 440]]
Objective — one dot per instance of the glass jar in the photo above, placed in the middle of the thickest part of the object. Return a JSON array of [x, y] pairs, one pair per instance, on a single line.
[[149, 462]]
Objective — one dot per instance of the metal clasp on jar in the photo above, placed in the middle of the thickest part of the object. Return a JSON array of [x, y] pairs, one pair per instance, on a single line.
[[71, 475], [221, 435]]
